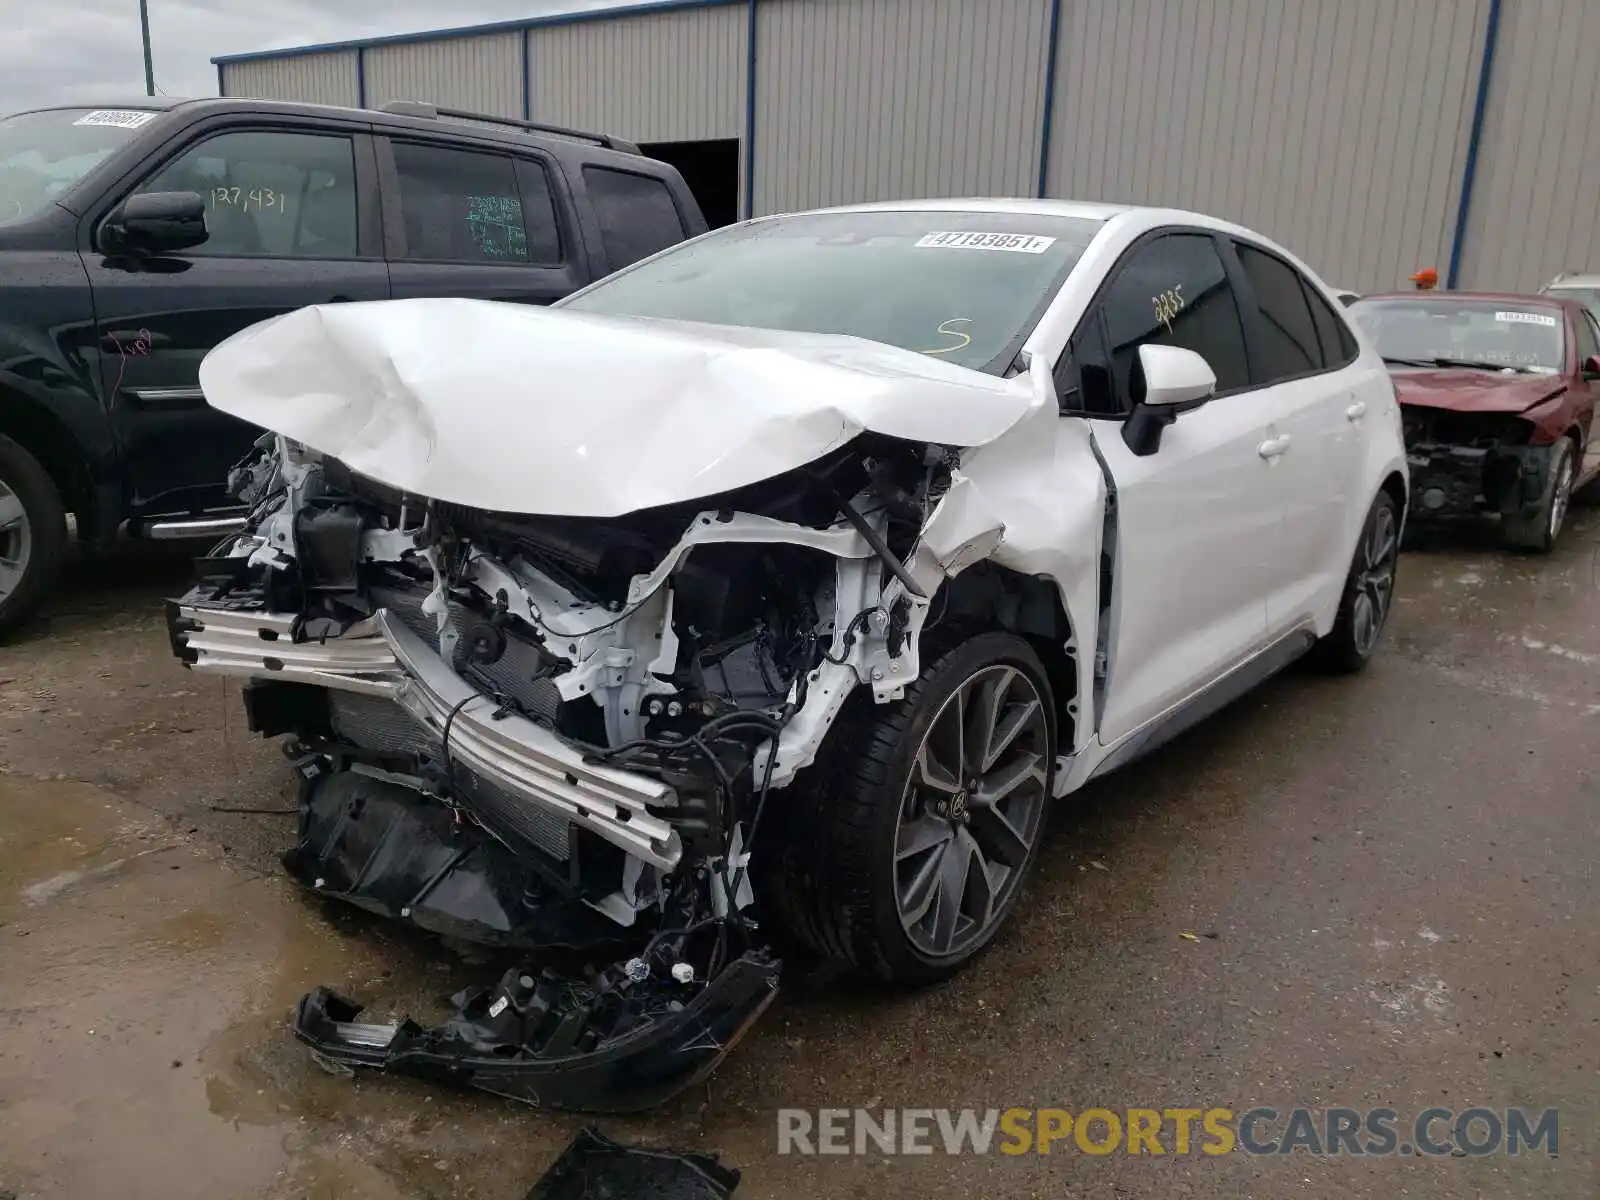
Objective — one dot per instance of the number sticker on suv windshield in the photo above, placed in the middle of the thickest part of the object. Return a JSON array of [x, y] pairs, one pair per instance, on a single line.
[[1017, 243], [122, 118], [1526, 318]]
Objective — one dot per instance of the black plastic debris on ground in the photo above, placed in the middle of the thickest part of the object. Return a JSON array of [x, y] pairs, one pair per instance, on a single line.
[[594, 1167], [606, 1046]]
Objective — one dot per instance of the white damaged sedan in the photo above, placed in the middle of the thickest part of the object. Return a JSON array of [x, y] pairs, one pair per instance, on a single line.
[[766, 592]]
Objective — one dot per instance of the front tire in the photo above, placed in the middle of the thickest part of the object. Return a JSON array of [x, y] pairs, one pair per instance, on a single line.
[[33, 534], [1538, 530], [906, 853], [1368, 593]]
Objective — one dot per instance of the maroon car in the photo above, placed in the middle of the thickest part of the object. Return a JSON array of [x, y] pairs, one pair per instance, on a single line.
[[1497, 393]]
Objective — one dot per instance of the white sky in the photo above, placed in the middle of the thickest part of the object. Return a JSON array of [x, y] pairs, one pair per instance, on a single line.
[[70, 51]]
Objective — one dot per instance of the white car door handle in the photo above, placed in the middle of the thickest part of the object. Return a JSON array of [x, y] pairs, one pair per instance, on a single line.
[[1273, 447], [1357, 410]]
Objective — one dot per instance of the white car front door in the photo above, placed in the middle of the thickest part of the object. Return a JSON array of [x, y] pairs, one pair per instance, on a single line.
[[1195, 530]]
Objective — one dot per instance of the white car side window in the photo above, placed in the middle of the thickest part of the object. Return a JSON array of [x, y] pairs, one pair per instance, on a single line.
[[1170, 291], [1289, 345]]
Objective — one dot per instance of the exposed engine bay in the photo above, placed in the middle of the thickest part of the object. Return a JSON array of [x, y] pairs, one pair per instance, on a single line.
[[540, 732], [1464, 463]]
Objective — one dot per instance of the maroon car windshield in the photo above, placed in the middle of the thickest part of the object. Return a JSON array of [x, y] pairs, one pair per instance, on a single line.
[[1495, 335]]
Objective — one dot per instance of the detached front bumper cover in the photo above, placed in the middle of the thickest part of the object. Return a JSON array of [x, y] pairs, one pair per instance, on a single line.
[[539, 1041]]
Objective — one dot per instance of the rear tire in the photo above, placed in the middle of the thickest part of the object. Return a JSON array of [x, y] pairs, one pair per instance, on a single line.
[[906, 852], [1538, 530], [33, 535], [1368, 593]]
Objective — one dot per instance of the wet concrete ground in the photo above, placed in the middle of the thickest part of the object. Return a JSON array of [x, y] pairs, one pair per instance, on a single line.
[[1389, 879]]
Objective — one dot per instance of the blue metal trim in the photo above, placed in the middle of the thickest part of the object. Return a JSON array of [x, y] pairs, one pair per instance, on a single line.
[[1469, 172], [527, 84], [1046, 125], [750, 115], [361, 76], [461, 31]]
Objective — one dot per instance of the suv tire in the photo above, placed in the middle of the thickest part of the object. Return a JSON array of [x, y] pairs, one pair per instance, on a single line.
[[906, 852], [33, 535]]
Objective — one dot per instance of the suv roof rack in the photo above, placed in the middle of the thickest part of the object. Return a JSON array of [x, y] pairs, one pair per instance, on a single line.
[[432, 112]]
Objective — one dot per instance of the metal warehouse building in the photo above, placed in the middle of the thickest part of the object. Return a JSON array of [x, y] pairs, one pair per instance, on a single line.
[[1373, 137]]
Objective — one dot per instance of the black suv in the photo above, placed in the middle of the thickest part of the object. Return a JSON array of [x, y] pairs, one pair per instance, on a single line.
[[135, 238]]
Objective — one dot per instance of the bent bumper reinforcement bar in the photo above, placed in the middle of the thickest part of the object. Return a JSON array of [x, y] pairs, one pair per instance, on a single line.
[[197, 527], [395, 663]]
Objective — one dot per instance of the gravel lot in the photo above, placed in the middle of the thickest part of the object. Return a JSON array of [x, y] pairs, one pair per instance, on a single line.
[[1389, 879]]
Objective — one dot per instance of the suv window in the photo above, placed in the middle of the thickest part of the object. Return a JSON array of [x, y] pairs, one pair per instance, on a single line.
[[1171, 291], [1587, 341], [1289, 342], [636, 212], [274, 194], [465, 206]]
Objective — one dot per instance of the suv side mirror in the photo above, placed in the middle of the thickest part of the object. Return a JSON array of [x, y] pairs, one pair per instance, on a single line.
[[157, 223], [1175, 380], [1591, 367]]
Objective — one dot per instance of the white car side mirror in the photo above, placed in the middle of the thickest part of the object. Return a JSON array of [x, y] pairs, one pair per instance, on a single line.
[[1175, 376], [1175, 380]]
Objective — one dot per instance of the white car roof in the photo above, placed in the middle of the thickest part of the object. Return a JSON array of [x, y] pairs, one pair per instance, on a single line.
[[1137, 215], [1574, 281], [1087, 210]]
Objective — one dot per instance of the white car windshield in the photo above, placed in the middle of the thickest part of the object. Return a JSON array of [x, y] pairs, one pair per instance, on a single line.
[[966, 287], [1444, 332], [42, 154]]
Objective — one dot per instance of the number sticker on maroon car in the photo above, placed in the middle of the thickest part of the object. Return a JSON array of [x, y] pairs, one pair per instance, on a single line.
[[1016, 243], [1526, 318]]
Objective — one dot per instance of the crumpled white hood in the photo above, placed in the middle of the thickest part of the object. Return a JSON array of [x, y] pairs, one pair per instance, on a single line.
[[522, 409]]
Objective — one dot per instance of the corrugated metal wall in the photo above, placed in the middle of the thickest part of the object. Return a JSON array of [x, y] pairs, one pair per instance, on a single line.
[[659, 77], [877, 99], [1338, 127], [1536, 205], [328, 78], [483, 74]]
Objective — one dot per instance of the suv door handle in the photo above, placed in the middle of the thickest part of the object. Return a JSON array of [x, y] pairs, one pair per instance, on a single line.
[[1273, 446], [1357, 410]]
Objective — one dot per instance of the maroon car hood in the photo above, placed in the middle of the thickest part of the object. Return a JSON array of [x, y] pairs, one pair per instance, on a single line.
[[1464, 390]]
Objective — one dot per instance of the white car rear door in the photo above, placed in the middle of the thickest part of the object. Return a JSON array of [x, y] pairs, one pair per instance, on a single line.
[[1319, 414], [1194, 521]]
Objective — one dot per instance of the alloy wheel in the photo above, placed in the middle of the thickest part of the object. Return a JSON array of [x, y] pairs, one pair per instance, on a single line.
[[1562, 496], [1375, 578], [972, 811], [16, 541]]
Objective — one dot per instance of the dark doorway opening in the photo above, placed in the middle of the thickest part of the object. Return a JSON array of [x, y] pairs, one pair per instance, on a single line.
[[711, 169]]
